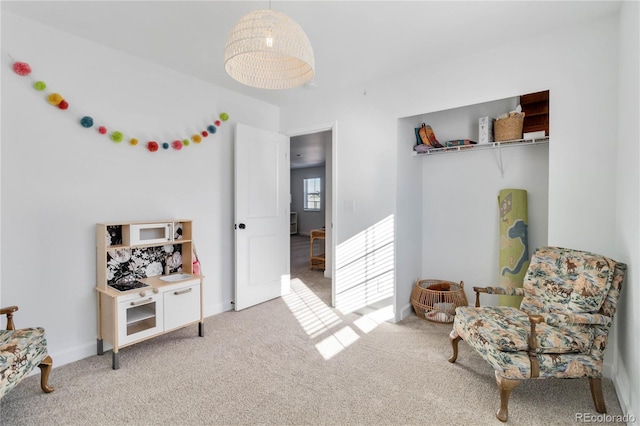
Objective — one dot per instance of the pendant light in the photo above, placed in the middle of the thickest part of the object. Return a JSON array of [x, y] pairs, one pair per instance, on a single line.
[[267, 49]]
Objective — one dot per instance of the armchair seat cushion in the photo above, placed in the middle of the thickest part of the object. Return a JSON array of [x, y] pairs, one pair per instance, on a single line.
[[507, 329], [20, 352]]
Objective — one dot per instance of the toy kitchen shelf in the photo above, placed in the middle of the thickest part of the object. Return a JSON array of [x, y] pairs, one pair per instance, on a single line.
[[483, 146], [145, 282]]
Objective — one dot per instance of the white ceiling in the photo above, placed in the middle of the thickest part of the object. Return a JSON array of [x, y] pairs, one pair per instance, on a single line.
[[354, 42], [309, 150]]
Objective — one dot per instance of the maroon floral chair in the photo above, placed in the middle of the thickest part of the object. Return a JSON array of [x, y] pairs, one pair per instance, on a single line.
[[560, 329]]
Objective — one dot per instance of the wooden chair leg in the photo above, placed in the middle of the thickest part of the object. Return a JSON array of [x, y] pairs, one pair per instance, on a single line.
[[45, 369], [596, 392], [505, 386], [454, 345]]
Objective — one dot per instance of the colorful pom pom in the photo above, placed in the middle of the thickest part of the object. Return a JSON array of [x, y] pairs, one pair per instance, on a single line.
[[217, 123], [185, 142], [196, 138], [102, 130], [86, 121], [177, 145], [63, 104], [224, 116], [39, 85], [211, 128], [54, 99], [133, 141], [116, 137], [204, 134], [152, 146], [165, 145], [21, 68]]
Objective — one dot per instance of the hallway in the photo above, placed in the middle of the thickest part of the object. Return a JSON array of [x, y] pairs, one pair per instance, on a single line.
[[313, 279]]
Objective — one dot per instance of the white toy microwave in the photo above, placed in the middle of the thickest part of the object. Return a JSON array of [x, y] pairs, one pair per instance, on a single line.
[[151, 233]]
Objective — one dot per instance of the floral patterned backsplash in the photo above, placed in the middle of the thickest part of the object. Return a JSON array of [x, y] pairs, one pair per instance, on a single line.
[[128, 264]]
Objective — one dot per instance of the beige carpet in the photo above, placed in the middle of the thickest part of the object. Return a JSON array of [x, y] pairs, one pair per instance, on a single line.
[[294, 361]]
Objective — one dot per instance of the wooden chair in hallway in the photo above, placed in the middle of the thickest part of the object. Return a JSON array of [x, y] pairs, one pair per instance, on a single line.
[[317, 260]]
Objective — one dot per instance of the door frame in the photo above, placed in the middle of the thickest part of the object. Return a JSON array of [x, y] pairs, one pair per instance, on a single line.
[[333, 226]]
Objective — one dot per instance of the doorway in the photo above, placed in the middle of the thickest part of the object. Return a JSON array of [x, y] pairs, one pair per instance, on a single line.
[[312, 158]]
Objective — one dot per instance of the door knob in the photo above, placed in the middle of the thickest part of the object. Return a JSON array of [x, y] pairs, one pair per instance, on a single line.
[[242, 226]]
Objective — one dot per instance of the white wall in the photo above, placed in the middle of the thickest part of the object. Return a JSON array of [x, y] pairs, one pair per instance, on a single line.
[[308, 220], [368, 123], [627, 213], [60, 179], [578, 65], [460, 238], [52, 169]]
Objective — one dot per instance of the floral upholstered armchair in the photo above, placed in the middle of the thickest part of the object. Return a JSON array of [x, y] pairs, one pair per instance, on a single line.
[[560, 329], [20, 352]]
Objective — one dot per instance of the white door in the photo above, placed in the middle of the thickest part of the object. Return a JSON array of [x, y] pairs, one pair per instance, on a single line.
[[261, 216]]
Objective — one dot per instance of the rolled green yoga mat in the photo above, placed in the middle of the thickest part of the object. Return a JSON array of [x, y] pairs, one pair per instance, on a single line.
[[514, 242]]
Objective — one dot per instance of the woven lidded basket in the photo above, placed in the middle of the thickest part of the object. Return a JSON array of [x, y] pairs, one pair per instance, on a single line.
[[437, 300], [508, 129]]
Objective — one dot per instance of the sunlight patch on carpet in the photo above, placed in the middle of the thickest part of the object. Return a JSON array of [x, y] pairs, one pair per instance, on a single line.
[[318, 319], [312, 313], [337, 342], [369, 321]]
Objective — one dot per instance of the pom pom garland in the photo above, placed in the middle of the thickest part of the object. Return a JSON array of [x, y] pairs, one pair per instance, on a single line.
[[116, 136], [21, 68], [54, 99], [86, 121]]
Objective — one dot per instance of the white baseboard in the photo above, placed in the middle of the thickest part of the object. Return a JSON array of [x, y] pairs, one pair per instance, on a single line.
[[218, 309], [618, 375], [405, 311], [68, 356]]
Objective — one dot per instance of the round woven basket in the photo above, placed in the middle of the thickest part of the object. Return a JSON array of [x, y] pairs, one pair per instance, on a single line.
[[437, 300]]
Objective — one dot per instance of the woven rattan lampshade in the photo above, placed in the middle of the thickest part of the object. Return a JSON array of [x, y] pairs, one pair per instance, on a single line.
[[269, 50]]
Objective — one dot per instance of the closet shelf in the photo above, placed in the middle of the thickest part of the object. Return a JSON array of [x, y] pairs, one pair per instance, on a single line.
[[479, 147]]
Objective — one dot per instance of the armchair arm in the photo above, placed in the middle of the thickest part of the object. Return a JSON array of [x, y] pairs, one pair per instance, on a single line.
[[577, 318], [558, 319], [504, 291], [8, 311], [533, 345]]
